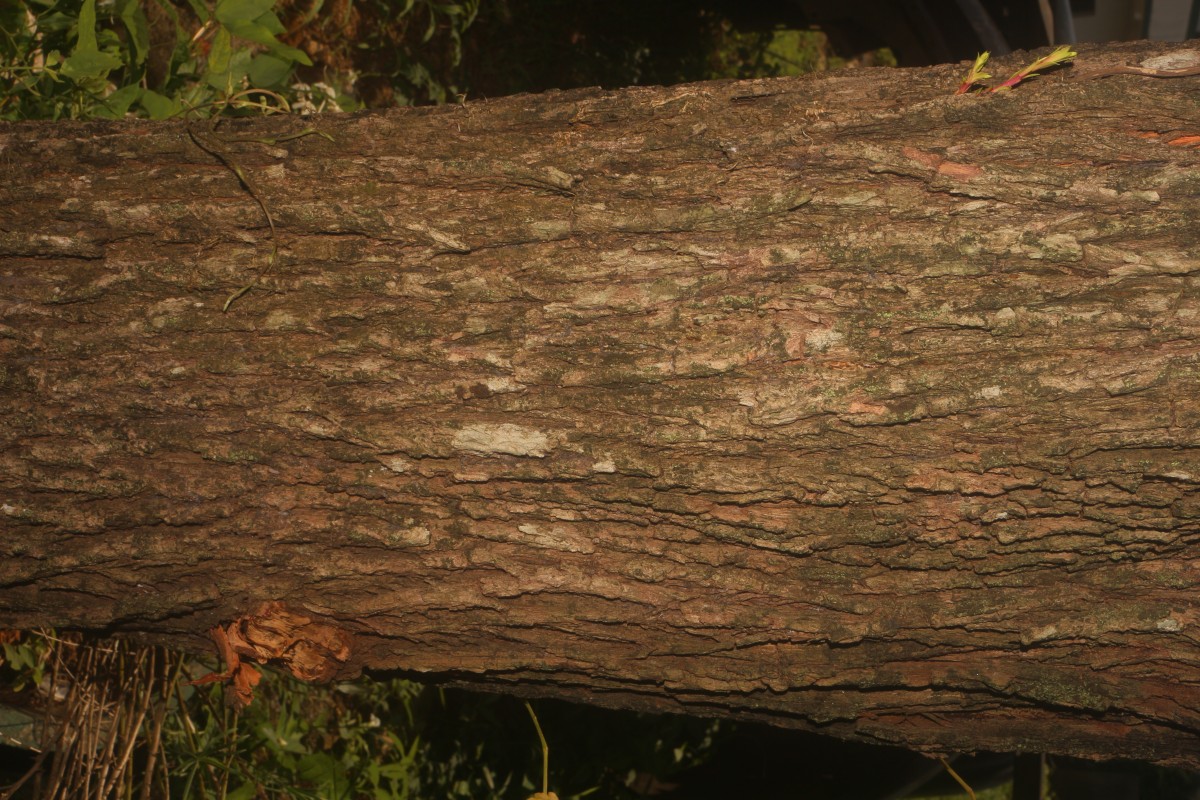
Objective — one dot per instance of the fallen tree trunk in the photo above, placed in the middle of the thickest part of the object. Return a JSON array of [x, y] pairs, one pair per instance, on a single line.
[[842, 402]]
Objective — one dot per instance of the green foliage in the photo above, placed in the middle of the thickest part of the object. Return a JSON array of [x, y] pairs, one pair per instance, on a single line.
[[84, 59], [390, 739], [769, 53], [25, 660], [412, 46], [102, 58], [778, 52], [295, 740], [533, 45]]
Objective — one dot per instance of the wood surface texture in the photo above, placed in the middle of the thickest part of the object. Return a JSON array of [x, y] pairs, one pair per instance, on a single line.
[[839, 402]]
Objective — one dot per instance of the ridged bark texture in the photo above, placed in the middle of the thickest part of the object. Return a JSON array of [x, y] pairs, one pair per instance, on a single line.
[[842, 402]]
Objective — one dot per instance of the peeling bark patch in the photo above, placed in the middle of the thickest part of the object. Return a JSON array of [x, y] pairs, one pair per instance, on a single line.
[[504, 439], [962, 172], [1187, 140], [931, 160]]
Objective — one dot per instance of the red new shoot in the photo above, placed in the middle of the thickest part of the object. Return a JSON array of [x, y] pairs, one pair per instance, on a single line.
[[1061, 55], [976, 75]]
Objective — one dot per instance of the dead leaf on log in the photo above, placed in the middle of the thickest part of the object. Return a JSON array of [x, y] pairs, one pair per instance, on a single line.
[[312, 651]]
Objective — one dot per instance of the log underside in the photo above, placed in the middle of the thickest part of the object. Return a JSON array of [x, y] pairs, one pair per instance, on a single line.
[[840, 403]]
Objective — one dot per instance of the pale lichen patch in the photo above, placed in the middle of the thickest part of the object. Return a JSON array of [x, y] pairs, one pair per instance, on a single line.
[[1003, 317], [167, 312], [503, 439], [1067, 382], [397, 464], [1042, 634], [1145, 195], [1172, 262], [553, 537], [1180, 59], [822, 339], [416, 536], [550, 229], [503, 384], [279, 320], [859, 198]]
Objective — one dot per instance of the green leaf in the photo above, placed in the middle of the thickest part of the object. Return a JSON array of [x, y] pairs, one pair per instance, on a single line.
[[15, 655], [130, 12], [239, 66], [158, 106], [229, 12], [117, 104], [220, 53], [267, 71], [86, 60], [299, 56], [200, 9], [55, 22], [86, 42], [259, 34], [321, 768], [271, 23], [253, 32], [90, 64], [394, 771], [226, 67], [247, 791]]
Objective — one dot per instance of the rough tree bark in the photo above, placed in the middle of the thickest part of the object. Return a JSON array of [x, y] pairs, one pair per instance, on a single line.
[[841, 402]]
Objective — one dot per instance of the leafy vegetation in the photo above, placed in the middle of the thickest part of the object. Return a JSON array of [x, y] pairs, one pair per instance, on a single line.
[[778, 52], [384, 739], [83, 59], [534, 45]]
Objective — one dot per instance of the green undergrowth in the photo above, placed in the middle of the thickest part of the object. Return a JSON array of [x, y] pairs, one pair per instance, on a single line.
[[392, 738], [778, 52], [383, 738], [107, 59]]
